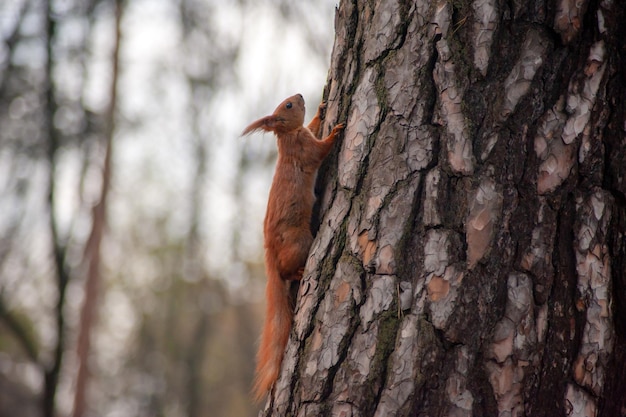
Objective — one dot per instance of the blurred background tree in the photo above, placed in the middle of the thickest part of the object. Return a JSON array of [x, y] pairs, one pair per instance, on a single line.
[[131, 275]]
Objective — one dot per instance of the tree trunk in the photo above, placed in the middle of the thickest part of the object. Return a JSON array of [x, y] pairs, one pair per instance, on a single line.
[[470, 259], [92, 251]]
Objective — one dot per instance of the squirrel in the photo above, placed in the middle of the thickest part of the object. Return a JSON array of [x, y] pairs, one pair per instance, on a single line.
[[287, 229]]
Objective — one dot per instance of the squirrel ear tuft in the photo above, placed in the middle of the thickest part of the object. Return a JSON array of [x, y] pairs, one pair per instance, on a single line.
[[266, 123]]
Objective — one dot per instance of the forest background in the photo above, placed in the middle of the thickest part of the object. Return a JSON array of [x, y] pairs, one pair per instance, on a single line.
[[131, 274]]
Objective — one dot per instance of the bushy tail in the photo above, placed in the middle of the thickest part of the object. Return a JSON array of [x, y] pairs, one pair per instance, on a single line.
[[278, 319]]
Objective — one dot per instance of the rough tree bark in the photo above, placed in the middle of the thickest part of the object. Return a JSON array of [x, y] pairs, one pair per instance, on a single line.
[[470, 258]]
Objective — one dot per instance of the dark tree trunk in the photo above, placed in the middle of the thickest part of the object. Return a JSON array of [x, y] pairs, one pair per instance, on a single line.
[[470, 259]]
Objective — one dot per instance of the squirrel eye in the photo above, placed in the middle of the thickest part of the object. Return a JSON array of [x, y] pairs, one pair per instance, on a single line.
[[289, 105]]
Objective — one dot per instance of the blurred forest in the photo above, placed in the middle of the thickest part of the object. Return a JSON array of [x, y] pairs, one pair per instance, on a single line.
[[131, 276]]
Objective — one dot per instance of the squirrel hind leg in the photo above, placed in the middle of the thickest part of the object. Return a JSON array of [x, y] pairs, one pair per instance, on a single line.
[[293, 256]]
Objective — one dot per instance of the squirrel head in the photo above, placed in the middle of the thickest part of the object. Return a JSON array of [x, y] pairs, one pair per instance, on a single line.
[[288, 116]]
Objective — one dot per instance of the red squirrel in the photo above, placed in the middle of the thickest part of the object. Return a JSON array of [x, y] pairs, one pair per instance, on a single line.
[[287, 229]]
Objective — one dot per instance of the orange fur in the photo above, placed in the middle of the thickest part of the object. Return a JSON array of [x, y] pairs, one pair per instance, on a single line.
[[287, 228]]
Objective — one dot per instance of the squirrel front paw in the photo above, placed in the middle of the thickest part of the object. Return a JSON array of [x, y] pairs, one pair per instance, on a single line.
[[321, 110], [338, 128]]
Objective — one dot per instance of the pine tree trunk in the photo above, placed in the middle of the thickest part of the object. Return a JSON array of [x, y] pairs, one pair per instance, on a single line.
[[470, 259]]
